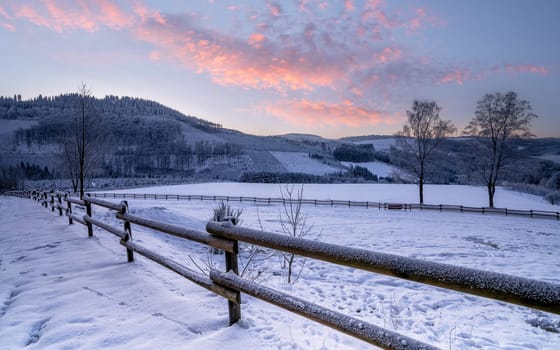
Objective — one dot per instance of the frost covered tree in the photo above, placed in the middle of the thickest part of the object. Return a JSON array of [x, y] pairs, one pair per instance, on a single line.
[[293, 222], [82, 140], [421, 135], [498, 118]]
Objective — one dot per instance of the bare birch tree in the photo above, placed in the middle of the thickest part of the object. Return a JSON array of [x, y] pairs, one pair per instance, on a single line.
[[497, 119], [422, 134]]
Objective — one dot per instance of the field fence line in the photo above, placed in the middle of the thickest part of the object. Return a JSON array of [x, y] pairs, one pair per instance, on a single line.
[[543, 214]]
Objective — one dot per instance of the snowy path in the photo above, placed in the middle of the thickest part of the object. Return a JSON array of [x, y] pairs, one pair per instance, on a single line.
[[60, 289]]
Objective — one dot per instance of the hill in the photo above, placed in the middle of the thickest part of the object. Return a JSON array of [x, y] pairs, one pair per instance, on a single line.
[[146, 142], [142, 138]]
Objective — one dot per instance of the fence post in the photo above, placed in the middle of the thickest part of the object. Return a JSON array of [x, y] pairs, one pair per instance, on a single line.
[[59, 204], [128, 237], [234, 309], [88, 213], [68, 208], [52, 201]]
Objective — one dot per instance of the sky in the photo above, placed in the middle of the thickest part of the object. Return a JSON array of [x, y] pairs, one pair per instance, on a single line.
[[330, 68]]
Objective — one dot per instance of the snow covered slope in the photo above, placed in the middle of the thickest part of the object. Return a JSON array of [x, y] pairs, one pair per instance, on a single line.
[[300, 162]]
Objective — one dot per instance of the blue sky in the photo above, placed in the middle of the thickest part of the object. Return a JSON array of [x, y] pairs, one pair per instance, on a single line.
[[332, 68]]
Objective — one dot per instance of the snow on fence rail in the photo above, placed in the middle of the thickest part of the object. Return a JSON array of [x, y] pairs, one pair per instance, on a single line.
[[329, 202], [526, 292]]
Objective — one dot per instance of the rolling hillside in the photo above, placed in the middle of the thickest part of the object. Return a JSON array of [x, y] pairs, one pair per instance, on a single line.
[[145, 140]]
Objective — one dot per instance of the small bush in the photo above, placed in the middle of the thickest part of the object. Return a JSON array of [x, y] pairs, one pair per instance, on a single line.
[[226, 213], [553, 197]]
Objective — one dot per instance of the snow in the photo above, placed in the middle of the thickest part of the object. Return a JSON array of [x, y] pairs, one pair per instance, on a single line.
[[300, 162], [60, 289], [474, 196]]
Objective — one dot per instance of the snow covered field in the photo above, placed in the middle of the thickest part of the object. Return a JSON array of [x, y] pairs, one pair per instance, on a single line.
[[60, 289], [299, 162]]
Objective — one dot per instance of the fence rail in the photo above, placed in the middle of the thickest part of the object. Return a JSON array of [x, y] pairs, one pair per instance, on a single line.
[[329, 202], [531, 293]]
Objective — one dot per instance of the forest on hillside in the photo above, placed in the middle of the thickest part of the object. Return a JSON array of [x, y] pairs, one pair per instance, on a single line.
[[137, 136]]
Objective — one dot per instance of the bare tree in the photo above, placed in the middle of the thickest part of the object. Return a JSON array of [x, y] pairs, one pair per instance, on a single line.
[[293, 222], [497, 119], [422, 134], [82, 140]]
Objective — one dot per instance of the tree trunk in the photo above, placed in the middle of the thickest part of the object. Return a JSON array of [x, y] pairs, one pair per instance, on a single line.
[[491, 191], [290, 263], [421, 182], [421, 189]]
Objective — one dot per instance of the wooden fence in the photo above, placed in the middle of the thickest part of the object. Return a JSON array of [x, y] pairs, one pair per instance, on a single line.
[[530, 293], [329, 202]]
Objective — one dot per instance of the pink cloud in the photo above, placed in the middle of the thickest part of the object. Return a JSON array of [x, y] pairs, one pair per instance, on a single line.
[[275, 9], [4, 14], [79, 15], [525, 68], [34, 17], [458, 76], [306, 112], [348, 5], [255, 39], [256, 63], [155, 55], [146, 14], [112, 16], [8, 26], [388, 54], [302, 5]]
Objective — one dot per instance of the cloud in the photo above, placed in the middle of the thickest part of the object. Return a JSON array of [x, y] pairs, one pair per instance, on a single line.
[[8, 26], [325, 69], [275, 9], [81, 15], [458, 76], [348, 5], [525, 68], [255, 39], [4, 14], [388, 54], [305, 112], [256, 63], [155, 55]]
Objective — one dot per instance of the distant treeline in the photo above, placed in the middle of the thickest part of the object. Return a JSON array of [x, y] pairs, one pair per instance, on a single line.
[[355, 175], [359, 154]]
